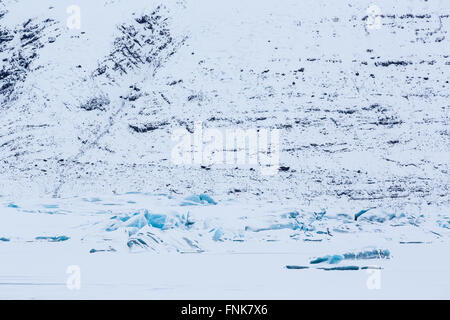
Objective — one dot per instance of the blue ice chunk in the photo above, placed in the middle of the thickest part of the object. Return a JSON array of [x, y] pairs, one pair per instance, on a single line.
[[377, 219], [184, 204], [369, 254], [112, 227], [320, 260], [360, 213], [349, 256], [391, 216], [103, 212], [344, 216], [110, 249], [156, 220], [191, 201], [218, 235], [137, 222], [53, 239], [335, 259], [296, 267], [183, 220], [382, 219], [208, 199], [125, 218], [293, 214], [278, 226], [443, 224], [4, 239], [12, 205], [302, 226], [374, 254], [195, 200]]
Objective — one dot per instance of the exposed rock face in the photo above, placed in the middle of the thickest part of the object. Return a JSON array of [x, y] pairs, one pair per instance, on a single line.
[[19, 48]]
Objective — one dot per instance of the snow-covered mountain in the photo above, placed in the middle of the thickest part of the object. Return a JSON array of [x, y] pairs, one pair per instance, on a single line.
[[91, 93]]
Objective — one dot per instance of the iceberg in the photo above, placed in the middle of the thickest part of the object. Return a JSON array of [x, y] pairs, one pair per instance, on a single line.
[[53, 239], [156, 220], [218, 235], [360, 213], [110, 249], [293, 267], [443, 224], [320, 260], [343, 268], [370, 254]]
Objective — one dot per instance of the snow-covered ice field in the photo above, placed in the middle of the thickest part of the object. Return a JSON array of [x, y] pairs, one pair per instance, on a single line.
[[195, 249], [94, 205]]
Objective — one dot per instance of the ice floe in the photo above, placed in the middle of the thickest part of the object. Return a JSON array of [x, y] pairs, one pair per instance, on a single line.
[[368, 254]]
